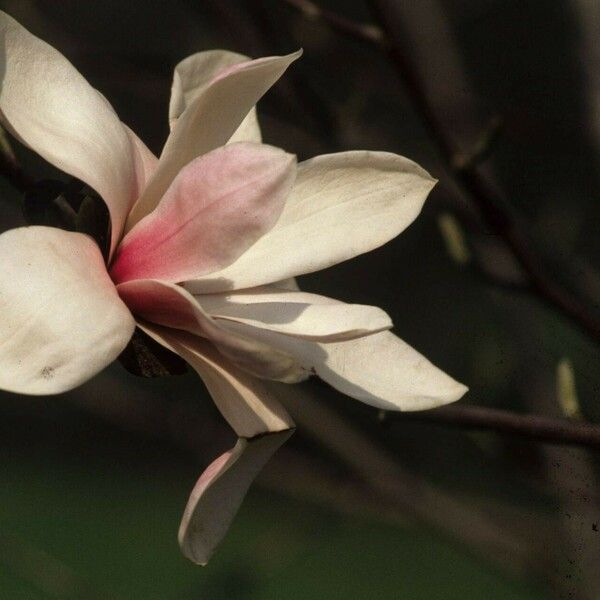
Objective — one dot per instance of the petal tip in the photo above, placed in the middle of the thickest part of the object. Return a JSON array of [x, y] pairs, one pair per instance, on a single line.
[[460, 391]]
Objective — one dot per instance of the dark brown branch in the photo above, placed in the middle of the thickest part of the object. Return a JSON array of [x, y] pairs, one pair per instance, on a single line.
[[531, 427], [492, 206], [363, 32], [391, 481], [463, 164]]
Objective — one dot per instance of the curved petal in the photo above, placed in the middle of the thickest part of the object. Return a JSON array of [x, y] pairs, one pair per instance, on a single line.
[[247, 403], [219, 492], [386, 372], [342, 205], [217, 207], [53, 110], [299, 314], [169, 305], [379, 369], [194, 74], [143, 159], [62, 319], [209, 122], [248, 131]]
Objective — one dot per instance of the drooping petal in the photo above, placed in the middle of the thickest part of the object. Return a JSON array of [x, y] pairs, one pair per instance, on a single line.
[[54, 111], [246, 402], [209, 122], [379, 369], [219, 492], [194, 74], [169, 305], [299, 314], [62, 319], [342, 205], [217, 207]]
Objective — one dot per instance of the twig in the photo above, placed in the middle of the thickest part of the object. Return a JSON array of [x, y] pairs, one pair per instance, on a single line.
[[532, 427], [363, 32], [419, 498], [463, 164], [491, 204], [481, 149]]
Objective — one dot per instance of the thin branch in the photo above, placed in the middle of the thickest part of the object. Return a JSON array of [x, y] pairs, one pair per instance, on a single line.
[[463, 164], [531, 427], [504, 225], [390, 480], [481, 149], [492, 206], [363, 32]]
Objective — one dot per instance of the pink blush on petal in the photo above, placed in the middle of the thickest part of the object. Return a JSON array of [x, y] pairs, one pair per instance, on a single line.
[[216, 208], [128, 257], [161, 304]]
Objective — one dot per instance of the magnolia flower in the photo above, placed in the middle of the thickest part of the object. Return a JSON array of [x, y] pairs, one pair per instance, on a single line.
[[205, 243]]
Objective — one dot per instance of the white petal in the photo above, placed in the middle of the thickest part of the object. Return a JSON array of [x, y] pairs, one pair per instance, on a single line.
[[170, 305], [379, 369], [219, 492], [386, 372], [248, 131], [342, 205], [307, 316], [194, 74], [52, 109], [209, 122], [143, 159], [246, 402], [62, 319]]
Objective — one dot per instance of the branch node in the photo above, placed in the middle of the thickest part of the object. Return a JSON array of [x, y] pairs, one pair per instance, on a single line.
[[467, 161]]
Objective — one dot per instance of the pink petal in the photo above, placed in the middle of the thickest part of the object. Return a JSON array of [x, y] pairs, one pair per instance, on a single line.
[[216, 208]]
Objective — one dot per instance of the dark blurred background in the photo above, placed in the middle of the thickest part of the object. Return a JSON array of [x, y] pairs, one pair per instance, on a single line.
[[93, 483]]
